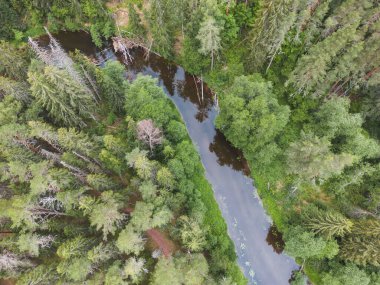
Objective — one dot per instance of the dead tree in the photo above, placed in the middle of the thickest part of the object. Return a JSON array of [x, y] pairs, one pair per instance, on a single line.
[[148, 133], [10, 262], [125, 45]]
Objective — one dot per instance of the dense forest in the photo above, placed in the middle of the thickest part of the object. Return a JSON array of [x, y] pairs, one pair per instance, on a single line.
[[99, 179], [90, 164]]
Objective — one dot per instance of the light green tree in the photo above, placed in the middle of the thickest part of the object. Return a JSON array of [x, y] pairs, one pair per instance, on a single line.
[[75, 269], [191, 233], [305, 245], [310, 158], [209, 36], [114, 275], [130, 241], [165, 273], [105, 215], [134, 268], [33, 243], [148, 190], [146, 216], [165, 178]]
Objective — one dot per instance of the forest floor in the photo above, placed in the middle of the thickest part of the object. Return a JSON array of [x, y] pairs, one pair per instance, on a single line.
[[161, 241]]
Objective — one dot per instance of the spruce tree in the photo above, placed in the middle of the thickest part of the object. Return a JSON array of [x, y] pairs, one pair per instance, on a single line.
[[361, 250], [64, 98], [135, 26], [329, 224]]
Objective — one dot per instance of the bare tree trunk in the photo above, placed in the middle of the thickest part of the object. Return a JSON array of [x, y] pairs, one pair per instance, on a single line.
[[212, 60], [272, 58], [196, 86], [202, 86]]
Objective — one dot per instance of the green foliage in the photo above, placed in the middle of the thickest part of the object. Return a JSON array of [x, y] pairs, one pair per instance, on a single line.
[[189, 269], [9, 19], [165, 178], [76, 269], [134, 25], [72, 248], [114, 275], [299, 279], [105, 214], [9, 109], [272, 23], [346, 275], [311, 158], [146, 216], [14, 62], [146, 100], [305, 245], [134, 268], [67, 189], [165, 273], [112, 83], [250, 115], [32, 243], [191, 234]]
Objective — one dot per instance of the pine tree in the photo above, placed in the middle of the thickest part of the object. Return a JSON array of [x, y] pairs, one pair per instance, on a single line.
[[9, 110], [160, 25], [111, 80]]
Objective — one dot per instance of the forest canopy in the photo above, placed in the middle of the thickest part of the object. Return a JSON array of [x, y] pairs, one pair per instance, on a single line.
[[297, 84]]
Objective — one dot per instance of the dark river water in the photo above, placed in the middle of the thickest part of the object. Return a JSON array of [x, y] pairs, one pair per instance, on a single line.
[[257, 243]]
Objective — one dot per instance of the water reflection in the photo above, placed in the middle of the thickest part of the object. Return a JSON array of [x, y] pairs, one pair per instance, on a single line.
[[228, 155], [274, 238]]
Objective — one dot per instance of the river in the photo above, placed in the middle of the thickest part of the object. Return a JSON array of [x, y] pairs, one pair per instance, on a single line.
[[257, 243]]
